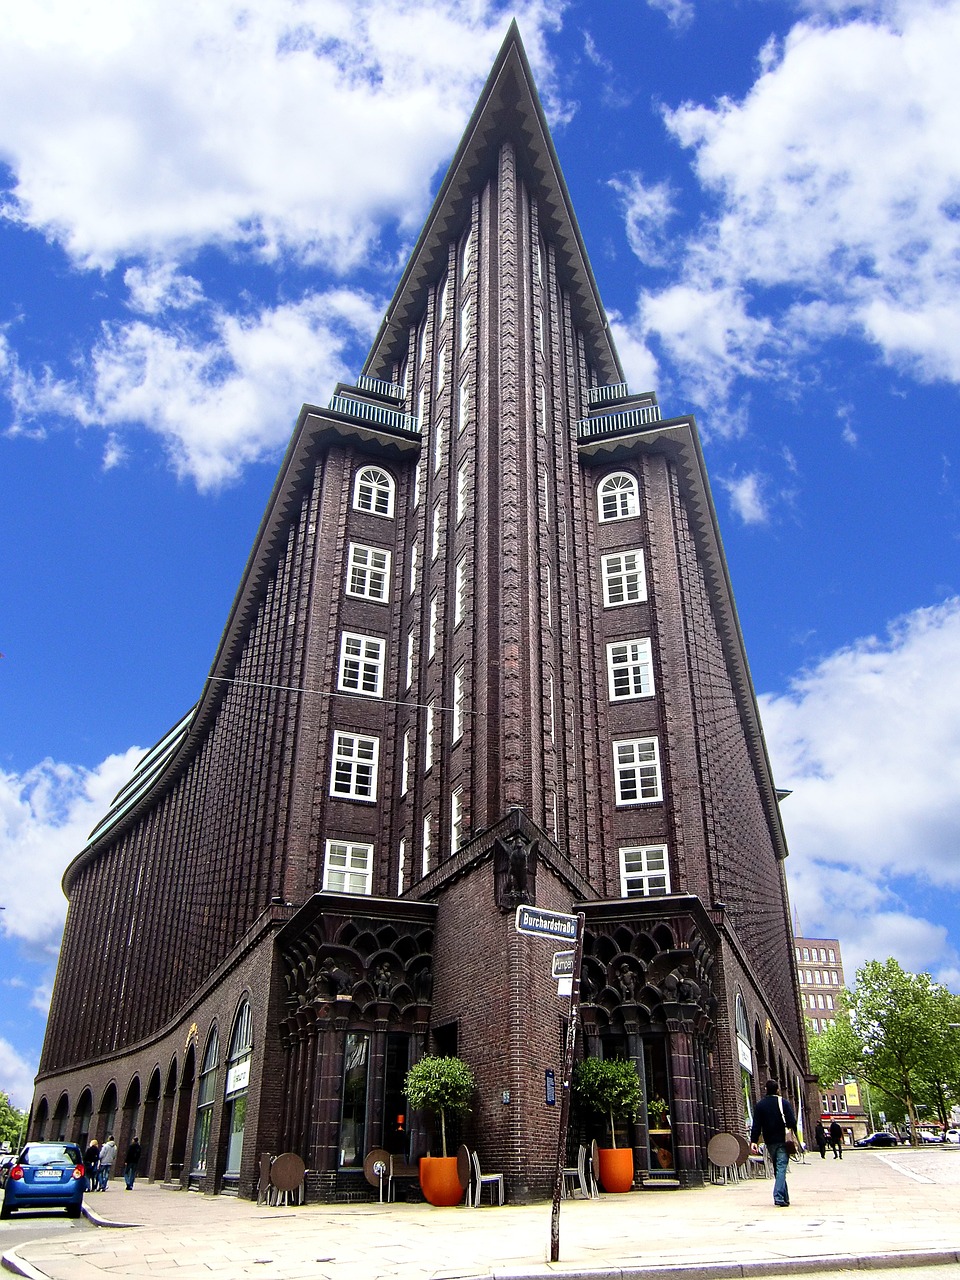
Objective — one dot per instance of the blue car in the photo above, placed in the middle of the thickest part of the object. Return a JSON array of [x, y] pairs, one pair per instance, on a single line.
[[48, 1175]]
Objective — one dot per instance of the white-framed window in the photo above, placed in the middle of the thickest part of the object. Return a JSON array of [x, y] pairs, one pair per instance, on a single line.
[[456, 819], [462, 481], [411, 656], [550, 709], [428, 739], [432, 631], [421, 408], [644, 871], [806, 953], [543, 406], [835, 979], [368, 572], [443, 300], [416, 482], [348, 867], [464, 324], [618, 496], [833, 956], [405, 762], [438, 444], [441, 368], [636, 763], [373, 490], [465, 254], [361, 664], [401, 861], [537, 262], [423, 343], [435, 535], [463, 404], [624, 578], [817, 977], [548, 597], [355, 762], [629, 669], [457, 718], [459, 592], [414, 557], [425, 850]]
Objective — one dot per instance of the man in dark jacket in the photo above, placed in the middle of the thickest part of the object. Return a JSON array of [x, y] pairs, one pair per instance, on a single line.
[[774, 1118], [836, 1140], [131, 1163]]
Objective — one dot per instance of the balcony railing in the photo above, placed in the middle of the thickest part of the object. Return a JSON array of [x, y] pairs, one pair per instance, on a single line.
[[376, 414], [378, 387], [602, 395], [640, 416]]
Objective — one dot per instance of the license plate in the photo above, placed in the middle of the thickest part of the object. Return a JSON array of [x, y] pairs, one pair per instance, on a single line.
[[48, 1173]]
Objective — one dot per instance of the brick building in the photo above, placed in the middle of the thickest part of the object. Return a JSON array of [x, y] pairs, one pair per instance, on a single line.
[[484, 652]]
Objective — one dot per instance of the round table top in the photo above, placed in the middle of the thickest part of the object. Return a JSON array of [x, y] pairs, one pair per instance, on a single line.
[[463, 1167], [287, 1171], [373, 1158], [724, 1149]]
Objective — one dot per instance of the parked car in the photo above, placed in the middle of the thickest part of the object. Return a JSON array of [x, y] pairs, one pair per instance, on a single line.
[[880, 1139], [952, 1135], [931, 1135], [47, 1175]]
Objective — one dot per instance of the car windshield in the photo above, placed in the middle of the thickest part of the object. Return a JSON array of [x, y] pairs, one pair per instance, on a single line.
[[50, 1153]]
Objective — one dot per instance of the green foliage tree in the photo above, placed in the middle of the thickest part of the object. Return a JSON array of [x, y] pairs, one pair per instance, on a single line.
[[12, 1122], [609, 1086], [894, 1032], [440, 1085]]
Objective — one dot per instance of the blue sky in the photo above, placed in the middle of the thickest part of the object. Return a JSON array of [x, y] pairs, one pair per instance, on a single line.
[[204, 208]]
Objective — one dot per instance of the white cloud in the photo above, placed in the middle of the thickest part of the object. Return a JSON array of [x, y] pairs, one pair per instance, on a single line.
[[156, 128], [160, 287], [836, 179], [16, 1076], [217, 401], [46, 815], [639, 362], [647, 208], [746, 497], [679, 13], [869, 743]]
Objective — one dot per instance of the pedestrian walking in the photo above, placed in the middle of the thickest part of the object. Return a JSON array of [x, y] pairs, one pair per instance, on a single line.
[[91, 1160], [836, 1140], [131, 1163], [108, 1153], [819, 1136], [775, 1119]]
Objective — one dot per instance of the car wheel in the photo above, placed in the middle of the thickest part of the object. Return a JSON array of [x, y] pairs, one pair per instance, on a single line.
[[74, 1211], [5, 1211]]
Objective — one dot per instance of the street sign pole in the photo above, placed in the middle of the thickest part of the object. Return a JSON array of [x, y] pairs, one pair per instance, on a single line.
[[565, 1091]]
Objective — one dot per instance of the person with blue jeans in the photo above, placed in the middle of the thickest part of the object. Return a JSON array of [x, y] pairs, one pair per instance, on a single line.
[[131, 1163], [774, 1119]]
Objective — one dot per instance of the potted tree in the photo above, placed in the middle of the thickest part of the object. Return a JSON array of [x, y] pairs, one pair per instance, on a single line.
[[440, 1085], [610, 1087]]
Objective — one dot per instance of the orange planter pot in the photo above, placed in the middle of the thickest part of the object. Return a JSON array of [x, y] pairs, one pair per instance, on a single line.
[[616, 1168], [440, 1181]]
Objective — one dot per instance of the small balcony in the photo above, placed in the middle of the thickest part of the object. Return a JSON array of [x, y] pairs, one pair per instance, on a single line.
[[643, 411], [379, 387], [377, 415], [609, 394]]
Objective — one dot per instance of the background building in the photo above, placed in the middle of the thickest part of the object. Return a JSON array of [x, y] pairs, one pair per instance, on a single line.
[[485, 652], [820, 975]]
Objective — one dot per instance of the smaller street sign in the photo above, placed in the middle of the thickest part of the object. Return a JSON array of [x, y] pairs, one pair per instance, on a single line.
[[562, 965], [546, 924], [565, 987]]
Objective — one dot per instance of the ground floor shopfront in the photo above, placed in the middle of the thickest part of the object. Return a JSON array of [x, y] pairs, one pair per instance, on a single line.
[[302, 1042]]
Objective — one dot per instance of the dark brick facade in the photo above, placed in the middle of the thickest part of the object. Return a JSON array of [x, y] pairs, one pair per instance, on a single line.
[[492, 410]]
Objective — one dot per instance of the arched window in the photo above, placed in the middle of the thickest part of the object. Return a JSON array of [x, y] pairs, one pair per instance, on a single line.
[[373, 491], [618, 496], [206, 1096], [238, 1078]]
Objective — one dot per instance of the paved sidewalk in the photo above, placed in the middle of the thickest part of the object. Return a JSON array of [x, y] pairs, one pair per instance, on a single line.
[[868, 1210]]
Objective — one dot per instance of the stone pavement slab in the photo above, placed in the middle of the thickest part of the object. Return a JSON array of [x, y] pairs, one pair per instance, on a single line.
[[870, 1209]]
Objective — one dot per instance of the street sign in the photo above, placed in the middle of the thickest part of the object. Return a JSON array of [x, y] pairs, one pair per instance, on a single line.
[[546, 924], [562, 965]]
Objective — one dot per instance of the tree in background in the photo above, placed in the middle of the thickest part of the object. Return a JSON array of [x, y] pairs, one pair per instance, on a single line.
[[894, 1031], [13, 1122]]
